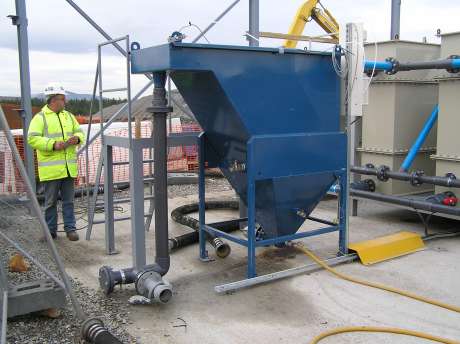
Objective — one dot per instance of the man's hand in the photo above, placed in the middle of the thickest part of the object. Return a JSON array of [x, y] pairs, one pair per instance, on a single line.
[[59, 146], [74, 140]]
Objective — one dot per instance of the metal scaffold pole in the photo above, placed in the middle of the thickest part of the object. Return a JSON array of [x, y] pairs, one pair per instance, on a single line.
[[20, 20], [38, 213], [395, 19], [253, 23], [93, 330], [215, 21]]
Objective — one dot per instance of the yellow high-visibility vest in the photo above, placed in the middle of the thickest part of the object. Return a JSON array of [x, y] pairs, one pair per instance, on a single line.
[[46, 128]]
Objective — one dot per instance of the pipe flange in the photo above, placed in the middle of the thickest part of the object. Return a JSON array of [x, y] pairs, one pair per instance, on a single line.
[[141, 285], [370, 185], [106, 282], [369, 165], [451, 177], [415, 178], [160, 109], [453, 70], [394, 66], [382, 173], [151, 285]]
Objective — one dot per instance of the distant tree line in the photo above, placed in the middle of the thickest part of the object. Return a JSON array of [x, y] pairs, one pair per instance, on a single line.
[[76, 106]]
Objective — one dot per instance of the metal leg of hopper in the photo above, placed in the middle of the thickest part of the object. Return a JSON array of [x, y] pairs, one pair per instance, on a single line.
[[202, 198], [108, 201], [251, 216], [343, 215], [136, 175]]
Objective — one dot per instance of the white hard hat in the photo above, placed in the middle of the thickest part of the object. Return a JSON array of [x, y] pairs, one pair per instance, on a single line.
[[54, 88]]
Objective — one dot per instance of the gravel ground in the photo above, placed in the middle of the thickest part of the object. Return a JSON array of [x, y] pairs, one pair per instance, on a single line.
[[21, 227], [213, 184]]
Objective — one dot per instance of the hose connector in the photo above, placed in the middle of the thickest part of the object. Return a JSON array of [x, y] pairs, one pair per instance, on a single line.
[[221, 247], [151, 285], [93, 331]]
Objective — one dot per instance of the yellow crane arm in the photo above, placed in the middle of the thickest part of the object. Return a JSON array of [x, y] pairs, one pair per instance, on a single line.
[[308, 11]]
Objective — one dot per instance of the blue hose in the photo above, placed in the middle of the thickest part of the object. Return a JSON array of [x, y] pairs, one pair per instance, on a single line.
[[420, 139]]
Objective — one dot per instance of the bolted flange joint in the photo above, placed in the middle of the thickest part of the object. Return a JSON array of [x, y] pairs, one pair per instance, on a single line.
[[395, 66], [382, 173]]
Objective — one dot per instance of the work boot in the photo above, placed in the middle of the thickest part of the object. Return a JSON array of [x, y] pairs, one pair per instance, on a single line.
[[72, 236], [53, 235]]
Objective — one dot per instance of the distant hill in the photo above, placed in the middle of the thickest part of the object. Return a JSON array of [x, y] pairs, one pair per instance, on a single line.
[[78, 104], [69, 96], [139, 108]]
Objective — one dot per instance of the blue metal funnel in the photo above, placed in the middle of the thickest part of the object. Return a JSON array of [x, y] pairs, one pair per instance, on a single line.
[[284, 103]]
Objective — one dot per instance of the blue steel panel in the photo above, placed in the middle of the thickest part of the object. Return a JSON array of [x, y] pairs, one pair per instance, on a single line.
[[299, 154]]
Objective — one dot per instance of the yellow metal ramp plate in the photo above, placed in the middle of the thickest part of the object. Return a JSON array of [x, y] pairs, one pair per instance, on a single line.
[[387, 247]]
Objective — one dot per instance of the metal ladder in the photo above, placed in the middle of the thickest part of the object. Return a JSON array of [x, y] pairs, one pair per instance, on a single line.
[[94, 202]]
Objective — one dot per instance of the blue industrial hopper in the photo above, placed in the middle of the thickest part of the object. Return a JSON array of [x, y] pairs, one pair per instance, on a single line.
[[271, 124]]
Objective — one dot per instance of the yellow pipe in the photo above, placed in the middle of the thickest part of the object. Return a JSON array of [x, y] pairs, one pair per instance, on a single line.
[[373, 329], [377, 285], [382, 287]]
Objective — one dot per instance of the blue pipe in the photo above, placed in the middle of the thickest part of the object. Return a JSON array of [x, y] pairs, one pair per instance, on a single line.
[[379, 65], [420, 139], [388, 66], [455, 63]]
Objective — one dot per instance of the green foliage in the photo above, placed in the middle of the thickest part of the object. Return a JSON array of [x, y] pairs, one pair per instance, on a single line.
[[76, 106]]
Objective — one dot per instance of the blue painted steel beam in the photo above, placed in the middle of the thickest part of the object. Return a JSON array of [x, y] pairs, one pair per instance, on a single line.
[[221, 234], [296, 236], [420, 139], [272, 241]]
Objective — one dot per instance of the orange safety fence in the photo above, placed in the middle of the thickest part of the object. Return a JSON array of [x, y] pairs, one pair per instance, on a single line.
[[180, 159]]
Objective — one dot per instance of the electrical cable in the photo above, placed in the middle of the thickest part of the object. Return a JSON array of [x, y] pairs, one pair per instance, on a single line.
[[381, 287], [376, 49], [83, 211], [190, 24]]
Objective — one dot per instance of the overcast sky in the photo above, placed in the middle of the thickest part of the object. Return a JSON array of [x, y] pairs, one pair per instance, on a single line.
[[63, 45]]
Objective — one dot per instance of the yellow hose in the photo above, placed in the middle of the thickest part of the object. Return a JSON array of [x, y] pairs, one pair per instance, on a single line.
[[382, 287], [393, 330]]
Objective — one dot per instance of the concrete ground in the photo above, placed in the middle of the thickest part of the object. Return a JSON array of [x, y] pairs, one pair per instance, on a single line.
[[292, 310]]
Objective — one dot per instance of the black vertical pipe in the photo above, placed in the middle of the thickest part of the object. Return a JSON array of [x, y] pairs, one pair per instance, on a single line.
[[160, 111]]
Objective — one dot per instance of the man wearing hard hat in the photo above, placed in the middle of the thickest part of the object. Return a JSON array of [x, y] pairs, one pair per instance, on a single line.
[[55, 134]]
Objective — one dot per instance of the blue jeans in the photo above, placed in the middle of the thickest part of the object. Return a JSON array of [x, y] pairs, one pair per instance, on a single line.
[[64, 187]]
